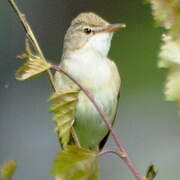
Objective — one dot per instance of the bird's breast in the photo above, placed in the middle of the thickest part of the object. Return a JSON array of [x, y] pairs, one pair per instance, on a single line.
[[98, 75], [92, 70]]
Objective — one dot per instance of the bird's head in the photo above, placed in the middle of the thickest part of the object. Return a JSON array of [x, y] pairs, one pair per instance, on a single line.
[[88, 30]]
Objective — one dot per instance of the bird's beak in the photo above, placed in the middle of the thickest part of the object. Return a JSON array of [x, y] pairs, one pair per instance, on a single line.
[[111, 28]]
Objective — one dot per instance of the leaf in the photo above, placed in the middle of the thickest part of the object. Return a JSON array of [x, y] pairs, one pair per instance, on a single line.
[[76, 163], [151, 173], [63, 106], [7, 170], [166, 13], [170, 58], [34, 66], [172, 90], [170, 51]]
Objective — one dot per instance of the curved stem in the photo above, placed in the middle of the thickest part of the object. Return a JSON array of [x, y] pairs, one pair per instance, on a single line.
[[105, 151], [30, 35], [117, 139]]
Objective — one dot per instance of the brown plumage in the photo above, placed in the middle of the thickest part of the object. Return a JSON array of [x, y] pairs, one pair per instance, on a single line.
[[90, 19], [85, 57]]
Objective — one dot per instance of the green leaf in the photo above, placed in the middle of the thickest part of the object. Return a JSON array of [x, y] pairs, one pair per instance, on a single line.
[[63, 106], [7, 170], [76, 163], [34, 65], [151, 173]]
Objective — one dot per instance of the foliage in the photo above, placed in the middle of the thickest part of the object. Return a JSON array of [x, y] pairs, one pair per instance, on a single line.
[[167, 14], [7, 170], [63, 106], [151, 173], [75, 163], [34, 66]]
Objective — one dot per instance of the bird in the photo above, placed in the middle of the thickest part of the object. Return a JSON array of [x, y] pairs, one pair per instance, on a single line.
[[85, 56]]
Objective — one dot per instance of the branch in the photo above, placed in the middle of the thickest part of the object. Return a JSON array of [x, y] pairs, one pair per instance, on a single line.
[[111, 151], [117, 139], [36, 46], [30, 35]]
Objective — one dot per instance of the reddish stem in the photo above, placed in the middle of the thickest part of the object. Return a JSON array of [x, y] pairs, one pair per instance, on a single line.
[[105, 151], [125, 157]]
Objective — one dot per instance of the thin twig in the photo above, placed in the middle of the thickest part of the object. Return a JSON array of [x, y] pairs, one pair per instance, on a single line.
[[105, 151], [117, 139], [30, 35], [75, 138]]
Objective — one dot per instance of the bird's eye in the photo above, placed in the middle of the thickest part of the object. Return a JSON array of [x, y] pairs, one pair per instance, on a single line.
[[87, 30]]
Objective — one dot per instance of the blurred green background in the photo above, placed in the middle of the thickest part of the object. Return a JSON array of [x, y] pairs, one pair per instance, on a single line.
[[148, 126]]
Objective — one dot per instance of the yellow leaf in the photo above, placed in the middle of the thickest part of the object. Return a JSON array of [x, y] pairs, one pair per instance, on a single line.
[[76, 163], [170, 58], [172, 90], [63, 106], [7, 170], [170, 51], [32, 68], [151, 173], [166, 13], [34, 65]]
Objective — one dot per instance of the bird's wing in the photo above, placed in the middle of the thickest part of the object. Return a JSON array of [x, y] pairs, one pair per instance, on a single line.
[[64, 82], [118, 83]]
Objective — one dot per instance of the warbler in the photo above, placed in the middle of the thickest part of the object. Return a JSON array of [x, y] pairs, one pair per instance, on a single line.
[[85, 56]]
